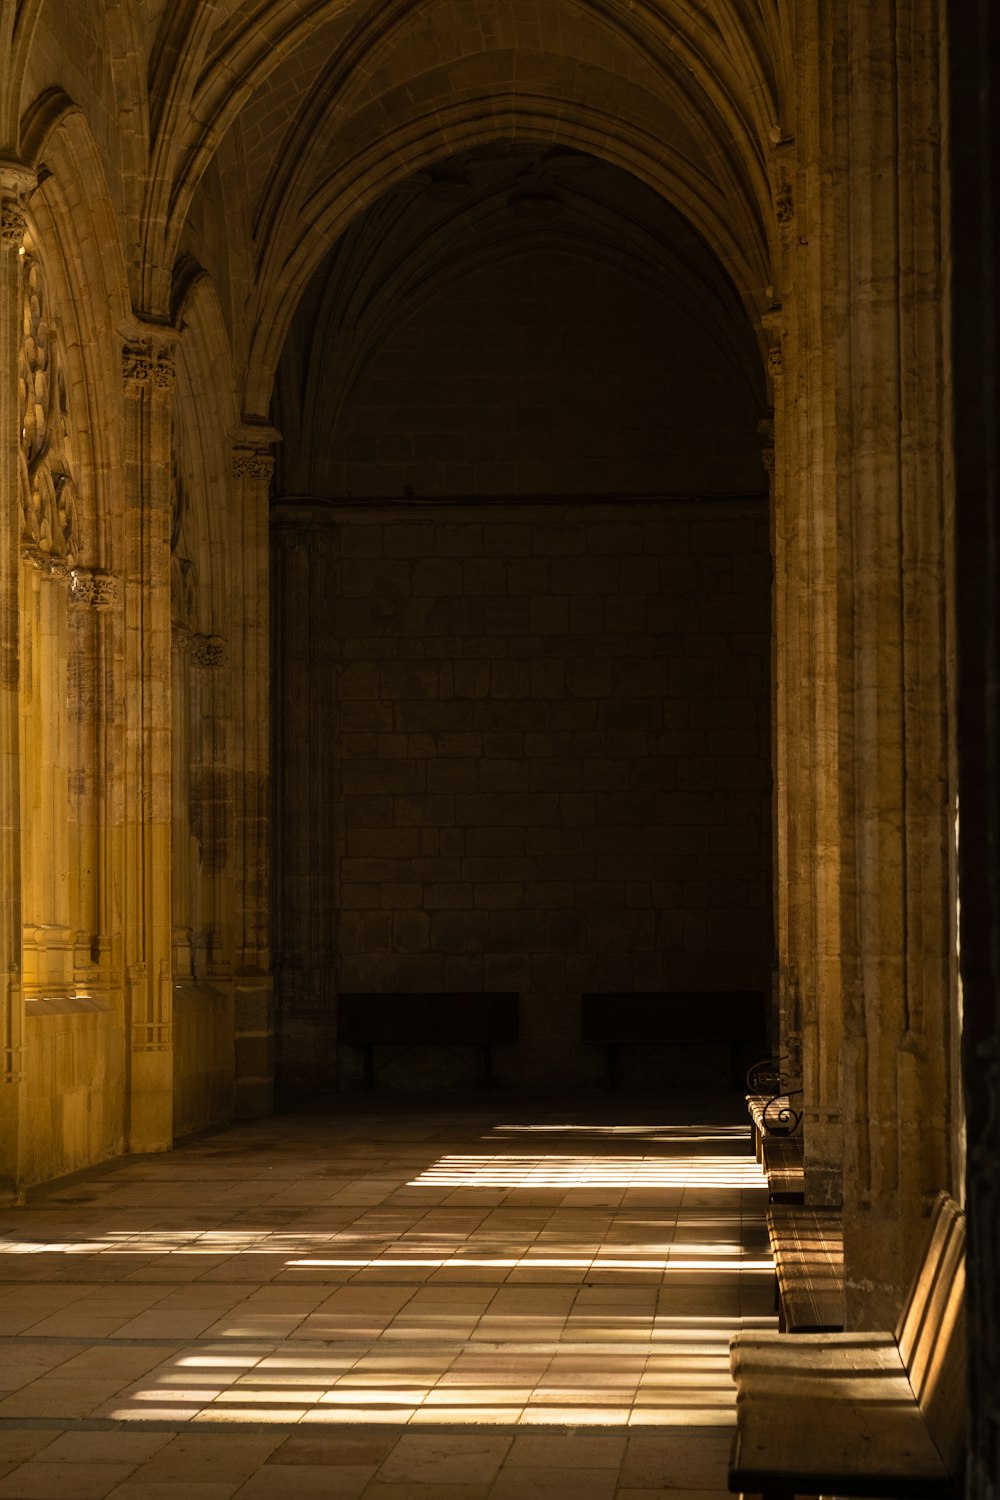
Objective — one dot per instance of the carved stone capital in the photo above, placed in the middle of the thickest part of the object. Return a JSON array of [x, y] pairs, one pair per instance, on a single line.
[[93, 589], [13, 223], [254, 464], [784, 203], [49, 564], [775, 362], [146, 367], [208, 651]]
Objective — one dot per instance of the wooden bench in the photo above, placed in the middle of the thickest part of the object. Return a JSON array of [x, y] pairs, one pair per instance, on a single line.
[[808, 1249], [865, 1414], [672, 1018], [404, 1020], [782, 1158]]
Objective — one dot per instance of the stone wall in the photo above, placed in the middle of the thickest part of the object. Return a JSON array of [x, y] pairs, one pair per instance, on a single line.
[[548, 730]]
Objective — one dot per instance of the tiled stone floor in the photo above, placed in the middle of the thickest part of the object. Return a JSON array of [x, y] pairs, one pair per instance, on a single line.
[[490, 1302]]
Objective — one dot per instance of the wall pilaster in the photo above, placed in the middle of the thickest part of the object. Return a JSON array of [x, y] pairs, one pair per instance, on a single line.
[[252, 469], [304, 572], [148, 374], [14, 181]]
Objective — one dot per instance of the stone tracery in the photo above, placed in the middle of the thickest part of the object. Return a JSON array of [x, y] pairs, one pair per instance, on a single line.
[[48, 494]]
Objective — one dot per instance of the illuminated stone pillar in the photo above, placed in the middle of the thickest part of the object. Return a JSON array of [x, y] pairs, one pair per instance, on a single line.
[[14, 180], [148, 372], [801, 364], [804, 367], [253, 466], [896, 788]]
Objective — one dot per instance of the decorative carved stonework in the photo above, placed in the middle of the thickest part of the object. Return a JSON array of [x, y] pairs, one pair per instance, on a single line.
[[49, 537], [775, 362], [93, 589], [208, 651], [146, 367], [784, 204], [13, 224], [135, 365], [765, 431], [253, 465]]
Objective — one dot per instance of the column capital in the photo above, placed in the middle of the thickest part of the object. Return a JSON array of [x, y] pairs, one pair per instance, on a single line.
[[13, 223], [16, 179], [251, 448], [148, 356], [93, 588]]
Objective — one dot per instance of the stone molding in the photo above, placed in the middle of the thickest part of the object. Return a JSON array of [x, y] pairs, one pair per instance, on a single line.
[[152, 1036], [11, 1065]]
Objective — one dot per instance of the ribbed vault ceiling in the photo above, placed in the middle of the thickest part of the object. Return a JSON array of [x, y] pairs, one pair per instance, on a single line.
[[328, 105]]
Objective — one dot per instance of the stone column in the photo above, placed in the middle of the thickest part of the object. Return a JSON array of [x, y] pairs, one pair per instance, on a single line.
[[253, 466], [14, 180], [805, 388], [974, 123], [801, 364], [897, 796], [148, 372]]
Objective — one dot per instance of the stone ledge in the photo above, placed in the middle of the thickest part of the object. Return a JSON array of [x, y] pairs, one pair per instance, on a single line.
[[66, 1005]]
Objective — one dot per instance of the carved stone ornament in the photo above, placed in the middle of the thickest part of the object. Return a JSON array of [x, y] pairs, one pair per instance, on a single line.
[[253, 465], [49, 536], [784, 204], [146, 367], [208, 651], [775, 362], [13, 224], [93, 590]]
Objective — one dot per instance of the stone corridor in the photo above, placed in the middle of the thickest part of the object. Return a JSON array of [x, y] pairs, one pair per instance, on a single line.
[[489, 1302]]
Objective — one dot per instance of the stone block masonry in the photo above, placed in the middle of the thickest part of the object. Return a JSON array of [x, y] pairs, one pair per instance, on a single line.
[[549, 730]]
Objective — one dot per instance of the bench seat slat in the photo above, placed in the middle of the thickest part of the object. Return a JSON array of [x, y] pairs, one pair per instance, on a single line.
[[861, 1414], [846, 1434], [808, 1249], [781, 1357], [783, 1164]]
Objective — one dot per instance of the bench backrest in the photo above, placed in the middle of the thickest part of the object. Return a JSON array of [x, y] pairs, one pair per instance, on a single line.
[[931, 1332]]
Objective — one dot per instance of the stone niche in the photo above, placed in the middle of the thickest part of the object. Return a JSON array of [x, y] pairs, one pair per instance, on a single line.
[[519, 748]]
